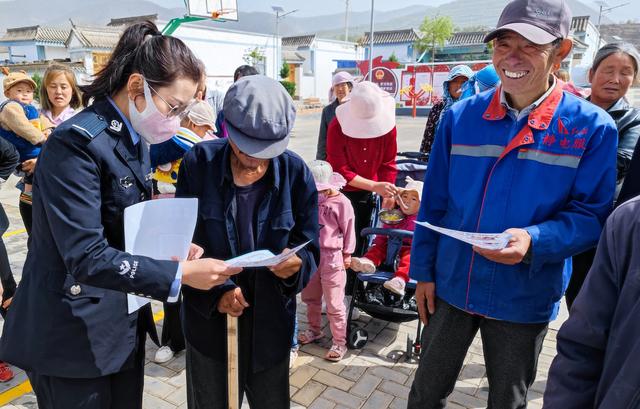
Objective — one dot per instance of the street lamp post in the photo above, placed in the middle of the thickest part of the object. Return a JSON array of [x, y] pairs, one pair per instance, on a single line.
[[276, 59], [604, 8]]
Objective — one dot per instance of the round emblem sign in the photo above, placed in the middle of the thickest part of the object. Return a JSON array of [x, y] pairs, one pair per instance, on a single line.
[[385, 79]]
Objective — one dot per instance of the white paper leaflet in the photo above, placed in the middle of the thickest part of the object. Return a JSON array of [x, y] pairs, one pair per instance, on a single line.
[[488, 241], [263, 258]]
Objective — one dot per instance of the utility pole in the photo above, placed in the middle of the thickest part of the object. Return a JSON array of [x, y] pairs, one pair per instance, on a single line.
[[371, 42], [276, 59], [346, 22]]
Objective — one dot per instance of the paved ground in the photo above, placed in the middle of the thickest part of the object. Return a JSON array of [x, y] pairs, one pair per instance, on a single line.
[[375, 377]]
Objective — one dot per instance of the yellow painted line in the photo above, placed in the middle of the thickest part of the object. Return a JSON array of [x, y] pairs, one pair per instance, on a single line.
[[25, 387], [15, 392], [158, 316], [13, 233]]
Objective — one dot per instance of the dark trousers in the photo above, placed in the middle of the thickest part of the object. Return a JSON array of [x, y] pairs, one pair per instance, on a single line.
[[510, 352], [6, 276], [581, 265], [207, 383], [26, 214], [363, 205], [122, 390], [172, 335]]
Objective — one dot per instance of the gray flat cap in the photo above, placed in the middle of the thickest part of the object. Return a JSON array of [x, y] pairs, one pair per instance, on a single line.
[[259, 116]]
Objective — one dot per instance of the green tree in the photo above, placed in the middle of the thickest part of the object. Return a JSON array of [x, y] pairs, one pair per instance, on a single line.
[[37, 78], [393, 58], [254, 56], [285, 71], [435, 31]]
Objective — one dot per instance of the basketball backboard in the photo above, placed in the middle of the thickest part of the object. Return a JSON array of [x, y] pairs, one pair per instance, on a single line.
[[216, 9]]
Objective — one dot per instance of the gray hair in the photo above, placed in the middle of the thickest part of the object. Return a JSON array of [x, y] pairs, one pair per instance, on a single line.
[[615, 48]]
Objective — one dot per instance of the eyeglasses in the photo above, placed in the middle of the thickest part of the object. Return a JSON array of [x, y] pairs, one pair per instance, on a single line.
[[174, 111]]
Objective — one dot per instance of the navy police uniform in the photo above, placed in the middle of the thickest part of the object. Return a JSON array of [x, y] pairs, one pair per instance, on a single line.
[[68, 326]]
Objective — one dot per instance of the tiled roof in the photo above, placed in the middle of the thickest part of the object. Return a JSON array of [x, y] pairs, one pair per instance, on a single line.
[[467, 38], [298, 41], [391, 37], [579, 23], [43, 34], [126, 21], [97, 37]]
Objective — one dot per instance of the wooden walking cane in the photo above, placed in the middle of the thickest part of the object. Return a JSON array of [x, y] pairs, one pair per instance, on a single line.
[[232, 362]]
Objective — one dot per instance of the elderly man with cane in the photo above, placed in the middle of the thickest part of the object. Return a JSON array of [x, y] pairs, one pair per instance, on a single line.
[[254, 195]]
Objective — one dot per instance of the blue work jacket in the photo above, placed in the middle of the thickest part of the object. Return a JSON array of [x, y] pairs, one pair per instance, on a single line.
[[552, 173]]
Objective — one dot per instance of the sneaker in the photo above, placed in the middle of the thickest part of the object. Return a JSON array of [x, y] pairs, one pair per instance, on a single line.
[[395, 285], [163, 354], [363, 265], [6, 374], [293, 355]]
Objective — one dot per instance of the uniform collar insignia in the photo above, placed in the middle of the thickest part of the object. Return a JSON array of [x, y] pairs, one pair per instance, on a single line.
[[116, 126]]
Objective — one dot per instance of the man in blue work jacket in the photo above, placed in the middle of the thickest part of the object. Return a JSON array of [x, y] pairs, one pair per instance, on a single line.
[[254, 195], [528, 159]]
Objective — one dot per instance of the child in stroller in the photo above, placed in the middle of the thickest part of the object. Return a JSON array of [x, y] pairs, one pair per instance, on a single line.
[[369, 295], [403, 218]]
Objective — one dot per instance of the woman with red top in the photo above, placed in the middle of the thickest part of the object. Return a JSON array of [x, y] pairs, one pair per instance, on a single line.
[[361, 146]]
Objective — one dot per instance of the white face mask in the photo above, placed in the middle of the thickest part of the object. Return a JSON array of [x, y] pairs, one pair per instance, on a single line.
[[153, 126]]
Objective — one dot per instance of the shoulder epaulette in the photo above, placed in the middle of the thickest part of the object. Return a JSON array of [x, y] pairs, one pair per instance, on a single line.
[[89, 125]]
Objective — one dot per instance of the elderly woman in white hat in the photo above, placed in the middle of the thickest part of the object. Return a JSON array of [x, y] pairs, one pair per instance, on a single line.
[[361, 146], [341, 86]]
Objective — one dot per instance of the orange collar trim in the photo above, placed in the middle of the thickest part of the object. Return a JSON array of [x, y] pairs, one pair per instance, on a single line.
[[539, 118]]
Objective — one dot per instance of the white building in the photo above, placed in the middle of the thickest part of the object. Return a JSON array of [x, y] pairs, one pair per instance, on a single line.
[[35, 43], [222, 51], [399, 43], [313, 61], [583, 30], [92, 47]]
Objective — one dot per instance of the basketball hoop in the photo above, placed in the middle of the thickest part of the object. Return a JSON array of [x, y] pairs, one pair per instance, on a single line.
[[198, 10], [219, 10]]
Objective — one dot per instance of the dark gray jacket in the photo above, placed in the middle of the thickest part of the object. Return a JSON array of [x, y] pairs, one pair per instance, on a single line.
[[597, 361], [328, 113], [627, 121]]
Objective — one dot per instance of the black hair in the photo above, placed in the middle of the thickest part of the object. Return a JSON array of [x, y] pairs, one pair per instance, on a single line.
[[244, 71], [615, 48], [143, 49]]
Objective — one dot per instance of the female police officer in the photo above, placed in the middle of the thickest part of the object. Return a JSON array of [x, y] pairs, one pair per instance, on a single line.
[[68, 326]]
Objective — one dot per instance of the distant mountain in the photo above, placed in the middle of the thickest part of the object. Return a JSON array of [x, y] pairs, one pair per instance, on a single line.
[[464, 13]]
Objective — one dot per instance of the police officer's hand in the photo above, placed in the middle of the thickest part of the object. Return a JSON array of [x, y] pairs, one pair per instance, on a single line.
[[514, 252], [195, 252], [232, 302], [426, 300], [288, 267], [206, 273]]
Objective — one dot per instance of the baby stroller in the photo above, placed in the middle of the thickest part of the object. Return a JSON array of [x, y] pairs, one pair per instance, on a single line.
[[368, 292]]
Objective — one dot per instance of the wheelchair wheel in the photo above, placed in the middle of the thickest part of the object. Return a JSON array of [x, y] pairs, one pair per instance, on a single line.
[[358, 338]]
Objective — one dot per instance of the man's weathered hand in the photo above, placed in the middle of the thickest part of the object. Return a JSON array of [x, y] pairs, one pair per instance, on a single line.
[[195, 252], [426, 300], [288, 267], [232, 302], [514, 252]]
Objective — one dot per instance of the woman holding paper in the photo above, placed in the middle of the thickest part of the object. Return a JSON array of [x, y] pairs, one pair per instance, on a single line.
[[68, 325]]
